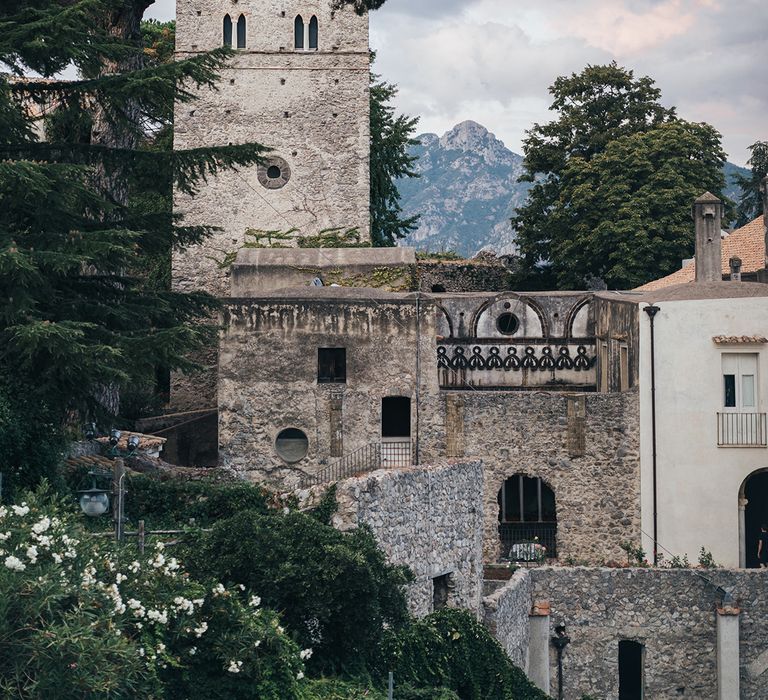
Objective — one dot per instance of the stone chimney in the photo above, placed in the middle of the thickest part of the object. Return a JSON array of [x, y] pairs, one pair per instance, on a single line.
[[708, 214]]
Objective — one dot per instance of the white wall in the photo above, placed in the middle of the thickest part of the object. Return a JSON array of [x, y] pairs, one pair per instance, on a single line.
[[698, 482]]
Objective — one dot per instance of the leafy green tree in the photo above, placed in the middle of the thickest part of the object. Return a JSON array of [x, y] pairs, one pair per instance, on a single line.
[[296, 563], [391, 139], [451, 649], [750, 206], [79, 220], [628, 212], [595, 108]]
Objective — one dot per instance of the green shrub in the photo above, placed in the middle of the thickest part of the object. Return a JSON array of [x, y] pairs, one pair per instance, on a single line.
[[81, 619], [335, 590], [335, 689], [451, 649], [174, 502]]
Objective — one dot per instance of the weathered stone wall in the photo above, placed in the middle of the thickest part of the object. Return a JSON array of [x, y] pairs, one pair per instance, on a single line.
[[268, 376], [427, 518], [671, 612], [463, 276], [505, 614], [310, 107], [590, 462]]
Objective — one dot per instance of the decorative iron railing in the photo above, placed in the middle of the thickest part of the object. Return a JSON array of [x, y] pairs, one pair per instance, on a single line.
[[742, 430], [531, 363], [520, 541], [378, 455]]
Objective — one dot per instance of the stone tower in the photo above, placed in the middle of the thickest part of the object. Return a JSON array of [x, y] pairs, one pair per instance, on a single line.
[[299, 84]]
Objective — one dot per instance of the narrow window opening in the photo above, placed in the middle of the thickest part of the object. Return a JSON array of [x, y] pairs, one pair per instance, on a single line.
[[332, 365], [630, 670], [624, 367], [396, 417], [730, 390], [227, 30], [441, 589], [438, 289], [604, 368], [241, 32], [314, 31], [298, 32]]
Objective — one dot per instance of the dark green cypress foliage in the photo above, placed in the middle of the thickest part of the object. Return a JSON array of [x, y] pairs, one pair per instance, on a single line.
[[86, 224]]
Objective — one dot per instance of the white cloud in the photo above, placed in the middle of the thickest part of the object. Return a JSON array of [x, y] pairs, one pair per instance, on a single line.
[[493, 60]]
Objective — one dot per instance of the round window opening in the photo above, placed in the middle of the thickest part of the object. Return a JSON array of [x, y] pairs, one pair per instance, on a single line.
[[274, 173], [507, 324], [292, 445]]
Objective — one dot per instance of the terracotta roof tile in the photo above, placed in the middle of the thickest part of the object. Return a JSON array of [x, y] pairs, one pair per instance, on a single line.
[[747, 243]]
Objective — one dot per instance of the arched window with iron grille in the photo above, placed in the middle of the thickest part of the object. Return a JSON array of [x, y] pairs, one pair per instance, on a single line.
[[527, 519]]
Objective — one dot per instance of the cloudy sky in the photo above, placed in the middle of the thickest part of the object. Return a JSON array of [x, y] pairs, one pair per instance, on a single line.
[[492, 60]]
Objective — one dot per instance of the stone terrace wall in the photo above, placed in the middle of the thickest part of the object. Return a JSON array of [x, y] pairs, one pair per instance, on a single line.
[[671, 612], [505, 614], [428, 518]]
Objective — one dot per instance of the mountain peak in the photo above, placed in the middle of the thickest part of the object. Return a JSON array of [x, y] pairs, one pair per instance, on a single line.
[[467, 136]]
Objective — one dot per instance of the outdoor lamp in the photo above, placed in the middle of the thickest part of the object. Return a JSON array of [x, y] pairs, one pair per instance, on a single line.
[[133, 443], [114, 437], [90, 431], [94, 502]]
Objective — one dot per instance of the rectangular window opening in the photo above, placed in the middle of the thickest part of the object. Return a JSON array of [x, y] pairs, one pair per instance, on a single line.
[[441, 590], [624, 367], [631, 670], [396, 417], [332, 365]]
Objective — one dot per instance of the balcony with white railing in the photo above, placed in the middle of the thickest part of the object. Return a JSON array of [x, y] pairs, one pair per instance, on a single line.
[[741, 430]]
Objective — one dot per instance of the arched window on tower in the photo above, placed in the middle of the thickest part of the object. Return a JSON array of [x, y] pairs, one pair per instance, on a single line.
[[241, 32], [298, 32], [227, 30], [314, 31]]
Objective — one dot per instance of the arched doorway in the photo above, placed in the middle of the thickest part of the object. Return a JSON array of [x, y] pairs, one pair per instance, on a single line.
[[753, 498], [527, 517]]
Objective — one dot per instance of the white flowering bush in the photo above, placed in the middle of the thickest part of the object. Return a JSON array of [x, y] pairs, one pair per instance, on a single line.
[[80, 618]]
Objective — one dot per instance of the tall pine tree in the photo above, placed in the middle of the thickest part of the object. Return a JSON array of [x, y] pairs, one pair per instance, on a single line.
[[87, 205]]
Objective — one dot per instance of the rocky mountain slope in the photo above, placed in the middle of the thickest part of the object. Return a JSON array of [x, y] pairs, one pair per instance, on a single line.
[[468, 190]]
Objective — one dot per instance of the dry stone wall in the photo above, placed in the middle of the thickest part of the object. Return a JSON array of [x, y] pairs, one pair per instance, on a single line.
[[505, 614], [671, 612]]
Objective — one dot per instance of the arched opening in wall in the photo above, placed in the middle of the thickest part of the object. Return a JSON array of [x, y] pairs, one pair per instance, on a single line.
[[527, 519], [292, 445], [754, 498], [314, 34], [298, 32], [631, 658], [241, 32], [227, 30]]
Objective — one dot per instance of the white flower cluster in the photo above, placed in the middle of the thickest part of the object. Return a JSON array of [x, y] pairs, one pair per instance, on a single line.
[[235, 666], [14, 564], [158, 616], [305, 654], [200, 631]]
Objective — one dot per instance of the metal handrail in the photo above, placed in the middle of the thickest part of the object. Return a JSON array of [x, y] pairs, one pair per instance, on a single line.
[[742, 430], [366, 459]]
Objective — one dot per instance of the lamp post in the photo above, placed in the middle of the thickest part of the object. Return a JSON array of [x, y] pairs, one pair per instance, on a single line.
[[94, 502]]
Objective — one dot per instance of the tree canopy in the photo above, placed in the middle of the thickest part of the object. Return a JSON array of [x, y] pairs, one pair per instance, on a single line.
[[85, 190], [615, 174], [750, 205], [391, 138]]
